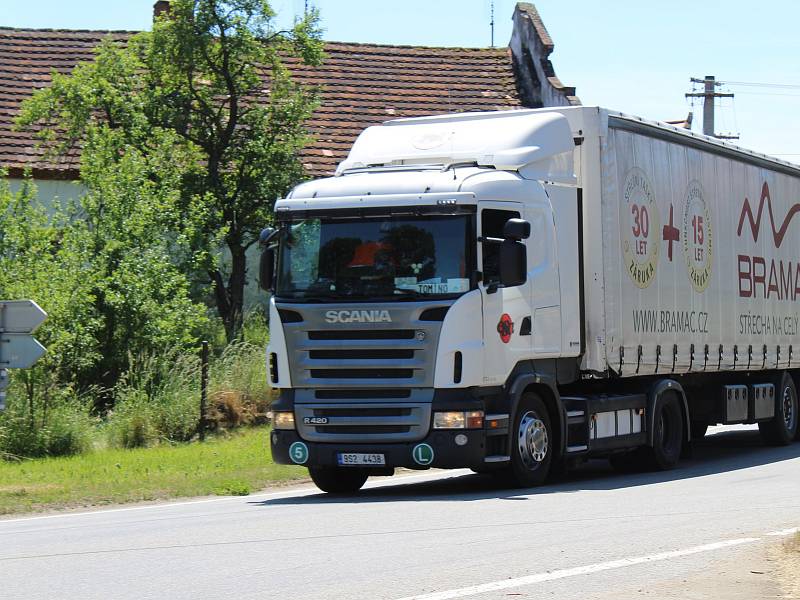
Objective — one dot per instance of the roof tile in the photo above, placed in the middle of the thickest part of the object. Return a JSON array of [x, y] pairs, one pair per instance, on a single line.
[[360, 85]]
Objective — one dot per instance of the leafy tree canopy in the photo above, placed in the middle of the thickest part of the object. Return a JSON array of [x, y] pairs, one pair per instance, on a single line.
[[208, 93]]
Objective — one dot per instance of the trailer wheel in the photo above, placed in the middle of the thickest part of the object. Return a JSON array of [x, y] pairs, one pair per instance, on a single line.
[[531, 444], [665, 452], [338, 480], [783, 428]]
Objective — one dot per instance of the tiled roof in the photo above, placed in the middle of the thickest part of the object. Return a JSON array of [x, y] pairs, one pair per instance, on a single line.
[[361, 84]]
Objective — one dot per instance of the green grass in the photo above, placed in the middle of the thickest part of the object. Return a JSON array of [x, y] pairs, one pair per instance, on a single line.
[[236, 464]]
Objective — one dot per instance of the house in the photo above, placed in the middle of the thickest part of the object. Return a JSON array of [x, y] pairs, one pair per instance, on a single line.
[[361, 85]]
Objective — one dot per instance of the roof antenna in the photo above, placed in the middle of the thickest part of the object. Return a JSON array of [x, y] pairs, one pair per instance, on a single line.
[[491, 22]]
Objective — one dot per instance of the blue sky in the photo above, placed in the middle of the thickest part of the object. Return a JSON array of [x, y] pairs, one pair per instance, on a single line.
[[627, 55]]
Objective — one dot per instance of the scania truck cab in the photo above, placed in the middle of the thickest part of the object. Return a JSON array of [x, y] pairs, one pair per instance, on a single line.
[[440, 302]]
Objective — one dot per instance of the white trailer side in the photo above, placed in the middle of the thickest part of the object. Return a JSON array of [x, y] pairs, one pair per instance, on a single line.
[[699, 247]]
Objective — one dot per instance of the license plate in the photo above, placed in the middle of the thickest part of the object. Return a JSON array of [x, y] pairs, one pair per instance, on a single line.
[[354, 459]]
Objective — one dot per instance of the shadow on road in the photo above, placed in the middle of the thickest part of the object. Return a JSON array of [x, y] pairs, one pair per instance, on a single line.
[[723, 452]]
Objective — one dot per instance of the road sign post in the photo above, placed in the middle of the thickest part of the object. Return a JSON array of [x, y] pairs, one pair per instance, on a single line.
[[3, 386], [18, 348]]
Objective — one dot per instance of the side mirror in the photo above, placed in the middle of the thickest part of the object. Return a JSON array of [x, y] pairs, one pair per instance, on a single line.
[[517, 229], [266, 266], [513, 263]]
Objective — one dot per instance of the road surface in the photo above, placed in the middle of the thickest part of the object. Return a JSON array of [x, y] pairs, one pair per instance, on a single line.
[[430, 536]]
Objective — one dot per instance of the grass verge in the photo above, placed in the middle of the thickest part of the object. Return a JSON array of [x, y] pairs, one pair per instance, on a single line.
[[236, 464]]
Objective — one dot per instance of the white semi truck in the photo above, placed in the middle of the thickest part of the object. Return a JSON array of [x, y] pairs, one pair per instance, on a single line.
[[518, 291]]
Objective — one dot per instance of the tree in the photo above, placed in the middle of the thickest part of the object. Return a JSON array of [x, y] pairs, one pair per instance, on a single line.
[[210, 79]]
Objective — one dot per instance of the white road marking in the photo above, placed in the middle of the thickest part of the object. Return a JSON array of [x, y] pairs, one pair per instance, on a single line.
[[575, 571], [296, 492], [784, 532]]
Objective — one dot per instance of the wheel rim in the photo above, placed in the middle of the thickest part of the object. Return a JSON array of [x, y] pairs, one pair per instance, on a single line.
[[532, 440], [789, 405]]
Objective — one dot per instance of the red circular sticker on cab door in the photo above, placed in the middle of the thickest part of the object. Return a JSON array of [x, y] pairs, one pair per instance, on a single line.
[[505, 328]]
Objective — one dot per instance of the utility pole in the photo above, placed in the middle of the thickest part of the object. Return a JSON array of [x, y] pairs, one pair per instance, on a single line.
[[491, 22], [708, 95]]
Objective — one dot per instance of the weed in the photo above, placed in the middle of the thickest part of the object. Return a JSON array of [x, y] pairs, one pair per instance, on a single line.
[[232, 488]]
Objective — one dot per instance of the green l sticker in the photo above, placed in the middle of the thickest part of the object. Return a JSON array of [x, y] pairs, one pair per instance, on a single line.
[[422, 454]]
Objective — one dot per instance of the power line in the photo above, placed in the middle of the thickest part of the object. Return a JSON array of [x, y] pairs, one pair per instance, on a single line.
[[769, 94], [767, 85]]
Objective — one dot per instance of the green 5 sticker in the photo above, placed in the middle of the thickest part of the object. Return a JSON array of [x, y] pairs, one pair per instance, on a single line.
[[298, 452]]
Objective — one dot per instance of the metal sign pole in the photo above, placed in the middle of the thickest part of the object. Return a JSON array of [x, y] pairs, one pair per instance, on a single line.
[[3, 372], [3, 386]]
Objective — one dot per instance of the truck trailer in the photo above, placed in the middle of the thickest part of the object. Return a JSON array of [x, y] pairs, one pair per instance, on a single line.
[[518, 291]]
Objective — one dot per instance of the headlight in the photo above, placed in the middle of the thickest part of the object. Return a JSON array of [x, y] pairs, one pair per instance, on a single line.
[[449, 420], [471, 419], [283, 420]]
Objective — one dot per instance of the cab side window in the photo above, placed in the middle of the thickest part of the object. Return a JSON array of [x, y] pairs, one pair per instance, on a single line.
[[492, 223]]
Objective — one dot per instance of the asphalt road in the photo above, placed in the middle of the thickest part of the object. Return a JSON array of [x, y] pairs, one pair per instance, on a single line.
[[432, 536]]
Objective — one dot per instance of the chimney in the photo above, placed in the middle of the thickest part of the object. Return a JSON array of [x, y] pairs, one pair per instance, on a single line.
[[159, 8], [531, 47]]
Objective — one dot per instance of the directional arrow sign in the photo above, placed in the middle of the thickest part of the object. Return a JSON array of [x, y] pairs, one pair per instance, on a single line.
[[20, 316], [19, 350]]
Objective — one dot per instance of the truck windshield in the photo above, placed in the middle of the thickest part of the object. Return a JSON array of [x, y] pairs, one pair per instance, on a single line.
[[375, 258]]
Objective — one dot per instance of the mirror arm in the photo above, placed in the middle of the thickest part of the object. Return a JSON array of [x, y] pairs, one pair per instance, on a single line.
[[490, 240]]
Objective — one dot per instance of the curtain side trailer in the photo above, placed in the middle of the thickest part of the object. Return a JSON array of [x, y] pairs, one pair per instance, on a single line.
[[517, 291]]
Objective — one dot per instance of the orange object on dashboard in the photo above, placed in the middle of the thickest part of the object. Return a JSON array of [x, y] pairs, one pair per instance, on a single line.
[[364, 256]]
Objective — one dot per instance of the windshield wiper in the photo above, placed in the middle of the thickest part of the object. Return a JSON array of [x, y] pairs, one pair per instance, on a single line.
[[409, 292]]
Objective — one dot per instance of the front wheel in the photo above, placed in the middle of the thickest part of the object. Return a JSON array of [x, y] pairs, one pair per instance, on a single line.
[[338, 480], [532, 444]]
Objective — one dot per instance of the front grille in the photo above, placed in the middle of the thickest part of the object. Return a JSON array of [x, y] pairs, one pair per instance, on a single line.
[[365, 357], [398, 353], [364, 422], [375, 429], [368, 411], [336, 394], [360, 354], [362, 334], [361, 373]]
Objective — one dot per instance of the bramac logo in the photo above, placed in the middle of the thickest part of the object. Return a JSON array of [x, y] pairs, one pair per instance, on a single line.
[[755, 222], [358, 316], [763, 276]]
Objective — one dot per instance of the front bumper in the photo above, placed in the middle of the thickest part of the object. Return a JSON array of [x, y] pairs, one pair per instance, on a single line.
[[447, 454]]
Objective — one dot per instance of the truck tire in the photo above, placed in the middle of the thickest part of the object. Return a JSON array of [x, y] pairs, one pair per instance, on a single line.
[[665, 452], [531, 443], [338, 480], [699, 429], [783, 428], [796, 380]]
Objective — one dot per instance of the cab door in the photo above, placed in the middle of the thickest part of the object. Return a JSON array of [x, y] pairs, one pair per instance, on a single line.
[[506, 311]]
